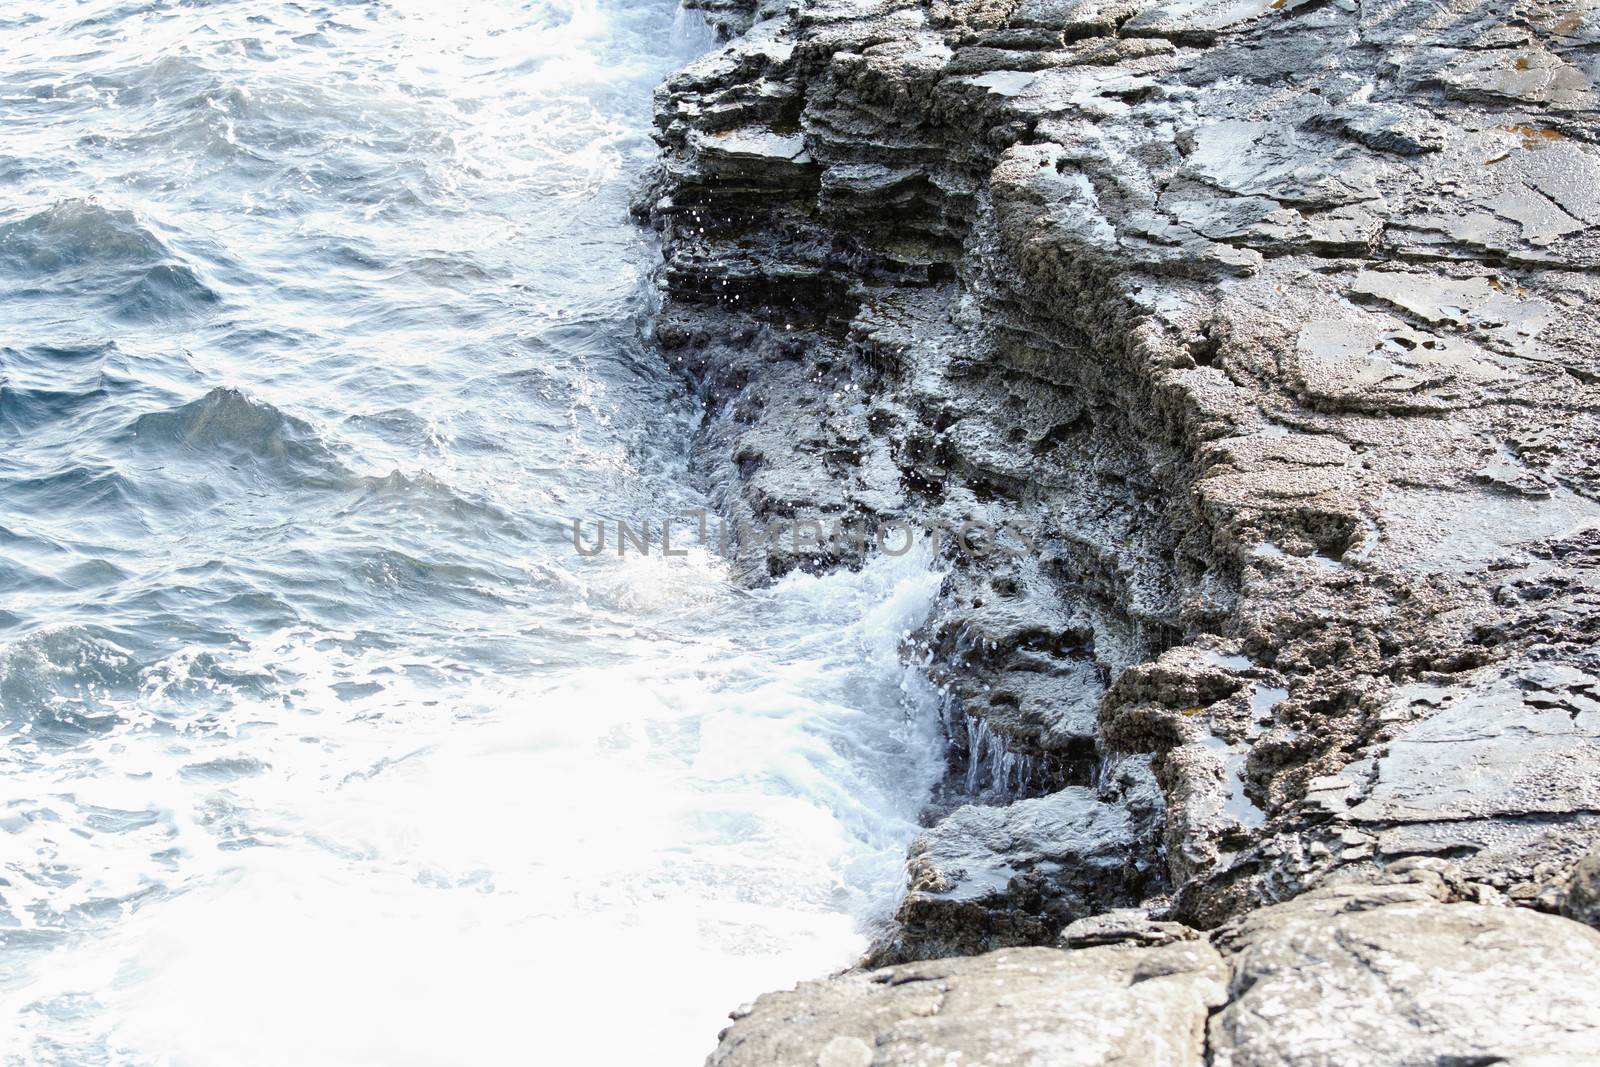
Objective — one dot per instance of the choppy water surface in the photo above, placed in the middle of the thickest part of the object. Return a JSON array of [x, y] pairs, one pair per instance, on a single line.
[[320, 743]]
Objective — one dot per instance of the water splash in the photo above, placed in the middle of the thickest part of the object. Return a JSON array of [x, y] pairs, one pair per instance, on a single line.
[[320, 744]]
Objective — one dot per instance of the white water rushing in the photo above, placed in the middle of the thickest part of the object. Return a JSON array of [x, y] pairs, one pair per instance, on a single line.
[[321, 745]]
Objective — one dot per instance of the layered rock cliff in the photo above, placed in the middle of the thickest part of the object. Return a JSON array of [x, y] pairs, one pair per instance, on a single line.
[[1243, 355]]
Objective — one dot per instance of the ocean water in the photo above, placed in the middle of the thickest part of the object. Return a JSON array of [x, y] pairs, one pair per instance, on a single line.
[[319, 743]]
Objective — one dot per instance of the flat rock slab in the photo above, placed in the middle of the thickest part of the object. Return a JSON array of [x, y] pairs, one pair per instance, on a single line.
[[1387, 975], [1511, 750], [1037, 1006], [1340, 977]]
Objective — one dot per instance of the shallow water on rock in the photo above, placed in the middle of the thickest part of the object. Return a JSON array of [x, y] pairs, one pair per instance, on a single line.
[[321, 744]]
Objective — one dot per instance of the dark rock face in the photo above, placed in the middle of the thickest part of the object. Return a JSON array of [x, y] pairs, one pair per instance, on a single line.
[[1582, 900], [1014, 874], [1261, 335]]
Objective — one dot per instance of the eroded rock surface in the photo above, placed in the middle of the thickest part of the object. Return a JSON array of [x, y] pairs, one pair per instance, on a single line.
[[1581, 900], [1259, 341]]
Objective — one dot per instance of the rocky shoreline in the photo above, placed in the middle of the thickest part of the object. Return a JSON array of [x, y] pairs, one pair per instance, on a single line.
[[1271, 324]]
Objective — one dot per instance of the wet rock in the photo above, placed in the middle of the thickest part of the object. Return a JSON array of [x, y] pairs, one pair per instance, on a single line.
[[1499, 751], [1270, 328], [1399, 130], [753, 152], [1501, 778], [988, 877], [1281, 163], [1528, 74], [1195, 22], [1124, 927]]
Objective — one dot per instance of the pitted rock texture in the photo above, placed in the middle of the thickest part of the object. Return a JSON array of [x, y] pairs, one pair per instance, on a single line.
[[1241, 358], [1581, 900]]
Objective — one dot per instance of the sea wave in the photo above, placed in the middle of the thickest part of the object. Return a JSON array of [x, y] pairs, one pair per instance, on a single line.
[[322, 321], [84, 252], [227, 427]]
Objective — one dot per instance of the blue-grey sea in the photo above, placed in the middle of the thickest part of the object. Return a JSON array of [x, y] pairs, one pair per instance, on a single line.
[[319, 743]]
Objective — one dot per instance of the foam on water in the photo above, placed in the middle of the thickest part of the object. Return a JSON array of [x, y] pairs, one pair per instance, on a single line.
[[321, 745], [365, 860]]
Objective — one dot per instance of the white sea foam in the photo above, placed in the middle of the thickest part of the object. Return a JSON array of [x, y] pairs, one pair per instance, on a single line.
[[596, 864], [320, 745]]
